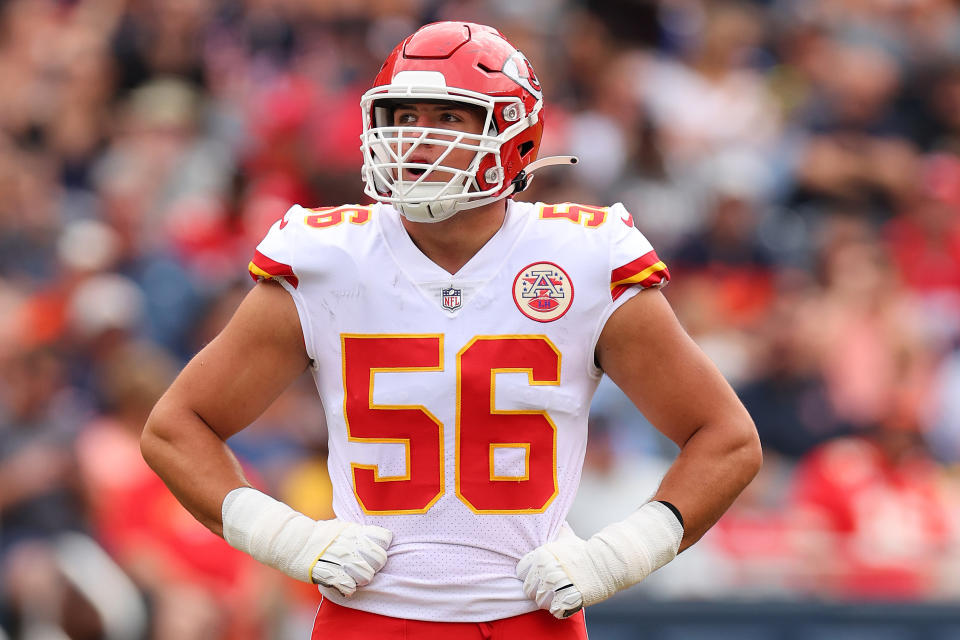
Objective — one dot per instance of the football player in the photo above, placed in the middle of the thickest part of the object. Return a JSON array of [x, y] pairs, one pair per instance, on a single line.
[[456, 337]]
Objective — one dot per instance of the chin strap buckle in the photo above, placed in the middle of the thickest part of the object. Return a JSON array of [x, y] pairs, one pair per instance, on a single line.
[[520, 182]]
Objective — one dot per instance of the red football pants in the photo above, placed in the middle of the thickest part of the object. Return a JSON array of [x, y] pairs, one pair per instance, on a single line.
[[342, 623]]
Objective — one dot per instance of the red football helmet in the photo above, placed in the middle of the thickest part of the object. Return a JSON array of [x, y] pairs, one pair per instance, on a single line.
[[460, 62]]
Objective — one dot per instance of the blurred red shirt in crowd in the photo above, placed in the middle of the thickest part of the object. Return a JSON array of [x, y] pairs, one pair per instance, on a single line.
[[872, 516], [187, 572], [925, 241]]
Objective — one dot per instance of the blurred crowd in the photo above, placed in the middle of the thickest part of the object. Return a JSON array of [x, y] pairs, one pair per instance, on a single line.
[[796, 163]]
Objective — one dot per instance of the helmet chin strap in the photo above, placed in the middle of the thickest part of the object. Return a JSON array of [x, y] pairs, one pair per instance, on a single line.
[[546, 162], [437, 211]]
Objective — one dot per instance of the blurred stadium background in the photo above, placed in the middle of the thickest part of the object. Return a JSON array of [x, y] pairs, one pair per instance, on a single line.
[[795, 162]]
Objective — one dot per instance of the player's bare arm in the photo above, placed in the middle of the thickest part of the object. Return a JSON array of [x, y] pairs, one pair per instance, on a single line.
[[223, 389], [647, 353], [651, 358]]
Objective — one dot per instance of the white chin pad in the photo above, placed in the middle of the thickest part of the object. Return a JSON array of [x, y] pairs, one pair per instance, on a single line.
[[426, 211], [423, 207]]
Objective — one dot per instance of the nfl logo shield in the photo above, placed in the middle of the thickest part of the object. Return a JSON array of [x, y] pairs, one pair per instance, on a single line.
[[451, 299]]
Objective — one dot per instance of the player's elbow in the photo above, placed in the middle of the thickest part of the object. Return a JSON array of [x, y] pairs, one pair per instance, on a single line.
[[747, 448], [159, 434]]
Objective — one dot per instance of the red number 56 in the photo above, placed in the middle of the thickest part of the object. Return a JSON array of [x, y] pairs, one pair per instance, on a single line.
[[481, 428]]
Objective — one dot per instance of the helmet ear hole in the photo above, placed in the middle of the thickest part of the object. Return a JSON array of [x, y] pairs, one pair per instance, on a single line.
[[525, 148]]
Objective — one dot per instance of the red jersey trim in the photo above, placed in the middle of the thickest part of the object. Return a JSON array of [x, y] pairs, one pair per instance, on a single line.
[[263, 267], [647, 271]]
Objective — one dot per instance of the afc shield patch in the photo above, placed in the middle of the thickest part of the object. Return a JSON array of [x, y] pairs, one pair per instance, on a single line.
[[543, 291], [451, 299]]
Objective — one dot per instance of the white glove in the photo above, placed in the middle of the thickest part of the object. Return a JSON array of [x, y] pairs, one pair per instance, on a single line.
[[569, 573], [544, 580], [354, 556], [333, 553]]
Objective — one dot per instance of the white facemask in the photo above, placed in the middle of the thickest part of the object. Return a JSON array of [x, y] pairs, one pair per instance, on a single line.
[[387, 149]]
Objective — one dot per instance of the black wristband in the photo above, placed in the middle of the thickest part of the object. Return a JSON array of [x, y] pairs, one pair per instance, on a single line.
[[672, 508]]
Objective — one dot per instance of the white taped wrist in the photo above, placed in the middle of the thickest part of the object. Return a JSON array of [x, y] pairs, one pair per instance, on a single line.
[[275, 534], [624, 553]]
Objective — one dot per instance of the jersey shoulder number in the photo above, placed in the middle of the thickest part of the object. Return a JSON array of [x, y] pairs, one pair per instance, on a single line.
[[588, 216]]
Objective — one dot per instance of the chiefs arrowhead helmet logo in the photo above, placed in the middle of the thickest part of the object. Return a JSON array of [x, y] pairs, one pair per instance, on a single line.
[[518, 69]]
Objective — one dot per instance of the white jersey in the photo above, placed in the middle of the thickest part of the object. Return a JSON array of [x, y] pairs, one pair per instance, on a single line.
[[456, 404]]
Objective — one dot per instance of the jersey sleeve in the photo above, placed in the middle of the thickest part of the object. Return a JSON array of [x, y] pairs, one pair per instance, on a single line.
[[634, 263], [284, 255], [633, 267], [275, 256]]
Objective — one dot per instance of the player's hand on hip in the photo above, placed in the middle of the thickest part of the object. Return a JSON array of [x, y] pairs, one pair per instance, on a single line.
[[546, 582], [352, 559], [337, 554], [616, 557]]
